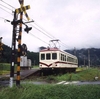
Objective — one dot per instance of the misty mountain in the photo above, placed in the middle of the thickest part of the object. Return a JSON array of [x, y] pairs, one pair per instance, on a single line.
[[83, 55]]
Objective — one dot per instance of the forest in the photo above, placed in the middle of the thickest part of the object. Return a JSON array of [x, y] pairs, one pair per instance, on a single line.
[[82, 54]]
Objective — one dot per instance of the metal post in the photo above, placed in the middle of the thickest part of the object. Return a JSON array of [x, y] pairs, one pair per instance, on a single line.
[[1, 47], [84, 61], [19, 47], [74, 51], [13, 50], [88, 57]]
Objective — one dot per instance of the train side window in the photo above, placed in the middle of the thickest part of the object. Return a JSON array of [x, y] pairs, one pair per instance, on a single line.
[[76, 61], [48, 56], [70, 59], [61, 57], [65, 57], [42, 56], [54, 55]]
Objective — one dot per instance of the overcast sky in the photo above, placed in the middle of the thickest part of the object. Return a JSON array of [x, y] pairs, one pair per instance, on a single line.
[[76, 23]]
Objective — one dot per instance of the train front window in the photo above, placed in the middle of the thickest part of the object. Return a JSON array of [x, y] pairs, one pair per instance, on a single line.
[[54, 55], [42, 56], [48, 56]]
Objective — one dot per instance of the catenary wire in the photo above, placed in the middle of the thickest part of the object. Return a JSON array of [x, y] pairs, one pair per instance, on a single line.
[[51, 36], [38, 38], [5, 6], [5, 10], [48, 34]]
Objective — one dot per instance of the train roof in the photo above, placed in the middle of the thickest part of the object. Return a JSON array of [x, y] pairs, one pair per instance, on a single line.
[[49, 49], [56, 49]]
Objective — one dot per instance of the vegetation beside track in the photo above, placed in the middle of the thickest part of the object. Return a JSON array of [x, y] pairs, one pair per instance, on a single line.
[[4, 68], [83, 74], [30, 91], [53, 91]]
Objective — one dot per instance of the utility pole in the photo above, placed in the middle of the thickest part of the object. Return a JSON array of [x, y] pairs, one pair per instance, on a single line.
[[13, 49], [16, 22], [88, 57], [74, 51], [1, 47], [84, 61]]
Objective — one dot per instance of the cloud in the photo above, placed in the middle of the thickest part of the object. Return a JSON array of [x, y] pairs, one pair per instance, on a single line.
[[76, 23]]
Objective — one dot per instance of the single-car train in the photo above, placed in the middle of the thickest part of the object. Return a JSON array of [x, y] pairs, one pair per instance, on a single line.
[[53, 59]]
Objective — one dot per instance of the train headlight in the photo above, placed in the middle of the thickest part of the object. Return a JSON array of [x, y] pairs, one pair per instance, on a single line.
[[40, 65]]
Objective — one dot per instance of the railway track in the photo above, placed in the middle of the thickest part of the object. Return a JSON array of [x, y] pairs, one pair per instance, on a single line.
[[4, 79], [26, 73]]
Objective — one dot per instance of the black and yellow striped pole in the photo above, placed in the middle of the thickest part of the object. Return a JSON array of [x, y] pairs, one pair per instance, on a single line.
[[20, 10], [19, 46]]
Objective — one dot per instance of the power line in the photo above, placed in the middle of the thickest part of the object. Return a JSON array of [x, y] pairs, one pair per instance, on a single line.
[[5, 7], [38, 38], [42, 30], [7, 4], [51, 36], [5, 10]]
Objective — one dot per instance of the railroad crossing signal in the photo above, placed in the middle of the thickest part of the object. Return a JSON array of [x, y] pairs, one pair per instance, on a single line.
[[16, 22], [20, 10], [23, 9]]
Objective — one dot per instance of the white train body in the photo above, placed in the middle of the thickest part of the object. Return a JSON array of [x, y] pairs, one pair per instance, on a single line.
[[53, 58]]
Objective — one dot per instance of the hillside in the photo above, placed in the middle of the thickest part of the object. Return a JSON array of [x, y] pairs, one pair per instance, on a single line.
[[82, 55], [6, 56]]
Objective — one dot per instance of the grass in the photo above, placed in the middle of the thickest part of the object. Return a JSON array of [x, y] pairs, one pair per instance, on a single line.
[[53, 91], [4, 68], [84, 75], [30, 91]]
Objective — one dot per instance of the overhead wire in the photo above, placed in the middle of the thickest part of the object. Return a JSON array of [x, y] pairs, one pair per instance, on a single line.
[[51, 35], [30, 33], [5, 10], [38, 38], [32, 25], [7, 4], [5, 7], [42, 30]]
